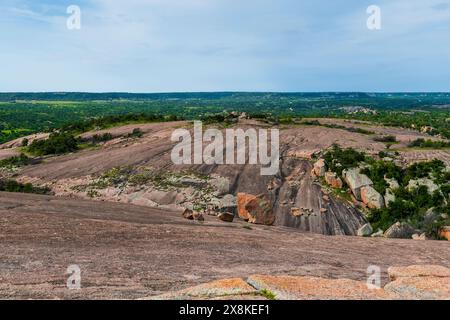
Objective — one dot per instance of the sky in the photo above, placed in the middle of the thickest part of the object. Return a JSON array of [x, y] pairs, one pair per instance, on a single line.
[[224, 45]]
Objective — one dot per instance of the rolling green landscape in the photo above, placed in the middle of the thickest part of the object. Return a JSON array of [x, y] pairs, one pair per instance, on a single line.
[[22, 114]]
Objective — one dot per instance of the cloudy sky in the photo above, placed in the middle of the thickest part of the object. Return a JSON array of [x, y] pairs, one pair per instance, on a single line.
[[224, 45]]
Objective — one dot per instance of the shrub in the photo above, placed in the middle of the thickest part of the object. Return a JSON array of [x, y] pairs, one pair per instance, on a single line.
[[434, 168], [378, 170], [17, 161], [338, 159], [391, 139], [111, 120], [422, 143], [57, 143], [136, 133], [14, 186], [96, 138]]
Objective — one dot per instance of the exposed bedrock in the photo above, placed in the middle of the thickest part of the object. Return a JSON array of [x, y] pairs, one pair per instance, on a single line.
[[297, 200]]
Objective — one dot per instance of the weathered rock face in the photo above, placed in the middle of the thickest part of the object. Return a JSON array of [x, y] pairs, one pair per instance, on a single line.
[[371, 197], [400, 230], [313, 288], [422, 288], [418, 271], [301, 203], [419, 282], [226, 216], [319, 168], [365, 231], [212, 186], [255, 209], [431, 186], [333, 180], [218, 288], [428, 282], [356, 181], [305, 154]]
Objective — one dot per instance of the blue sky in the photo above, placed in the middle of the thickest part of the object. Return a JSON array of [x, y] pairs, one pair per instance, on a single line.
[[224, 45]]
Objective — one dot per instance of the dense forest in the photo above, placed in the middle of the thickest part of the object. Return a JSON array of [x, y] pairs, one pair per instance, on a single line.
[[25, 113]]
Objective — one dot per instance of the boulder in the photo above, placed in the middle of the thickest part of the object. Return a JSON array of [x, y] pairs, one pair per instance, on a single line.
[[192, 182], [393, 184], [445, 233], [192, 215], [388, 197], [188, 214], [400, 230], [296, 212], [226, 216], [333, 180], [417, 236], [221, 185], [430, 217], [227, 204], [431, 186], [242, 200], [198, 216], [305, 154], [255, 209], [355, 180], [365, 231], [319, 168], [371, 197], [377, 234]]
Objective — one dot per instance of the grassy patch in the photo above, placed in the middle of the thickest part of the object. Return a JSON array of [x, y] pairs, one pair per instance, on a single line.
[[269, 295]]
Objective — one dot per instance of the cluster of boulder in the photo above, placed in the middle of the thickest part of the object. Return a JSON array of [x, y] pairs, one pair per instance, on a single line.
[[361, 187], [360, 184], [198, 216], [403, 230], [399, 230], [255, 209]]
